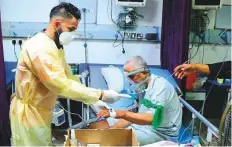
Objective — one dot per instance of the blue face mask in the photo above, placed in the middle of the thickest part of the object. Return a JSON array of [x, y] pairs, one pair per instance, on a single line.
[[141, 86], [136, 89]]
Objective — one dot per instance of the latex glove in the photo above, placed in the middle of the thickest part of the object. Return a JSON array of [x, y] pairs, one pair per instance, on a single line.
[[110, 96], [100, 105]]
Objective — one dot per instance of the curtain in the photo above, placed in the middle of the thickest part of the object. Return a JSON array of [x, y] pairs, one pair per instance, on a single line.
[[4, 105], [175, 33]]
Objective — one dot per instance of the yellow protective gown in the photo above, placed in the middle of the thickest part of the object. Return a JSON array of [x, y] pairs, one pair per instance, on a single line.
[[42, 74]]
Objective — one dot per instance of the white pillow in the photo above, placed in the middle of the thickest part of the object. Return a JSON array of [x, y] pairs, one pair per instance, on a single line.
[[113, 77]]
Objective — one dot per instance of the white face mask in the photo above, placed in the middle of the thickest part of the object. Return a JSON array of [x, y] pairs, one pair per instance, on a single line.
[[137, 90], [138, 87], [66, 37], [141, 86]]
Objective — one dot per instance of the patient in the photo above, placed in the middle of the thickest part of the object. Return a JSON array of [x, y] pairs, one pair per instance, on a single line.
[[159, 115]]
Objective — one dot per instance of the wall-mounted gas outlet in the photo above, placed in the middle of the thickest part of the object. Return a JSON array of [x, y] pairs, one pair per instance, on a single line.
[[139, 36], [133, 36], [126, 35]]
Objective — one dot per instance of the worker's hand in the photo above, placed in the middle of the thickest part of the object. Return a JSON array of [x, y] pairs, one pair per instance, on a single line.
[[110, 96], [184, 70], [100, 105]]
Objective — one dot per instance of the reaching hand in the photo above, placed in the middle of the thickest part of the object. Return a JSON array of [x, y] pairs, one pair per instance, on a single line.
[[184, 70], [111, 96]]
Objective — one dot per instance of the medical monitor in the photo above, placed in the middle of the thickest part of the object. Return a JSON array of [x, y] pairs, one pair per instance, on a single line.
[[131, 3], [206, 4]]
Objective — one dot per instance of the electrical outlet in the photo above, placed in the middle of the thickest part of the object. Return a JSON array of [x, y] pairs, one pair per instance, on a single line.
[[139, 36], [133, 36], [126, 35]]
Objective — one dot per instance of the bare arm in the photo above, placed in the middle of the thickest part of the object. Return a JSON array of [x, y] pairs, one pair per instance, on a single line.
[[184, 70], [136, 118], [202, 68], [121, 124]]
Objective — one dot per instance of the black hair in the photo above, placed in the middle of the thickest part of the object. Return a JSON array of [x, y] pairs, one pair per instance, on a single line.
[[66, 10]]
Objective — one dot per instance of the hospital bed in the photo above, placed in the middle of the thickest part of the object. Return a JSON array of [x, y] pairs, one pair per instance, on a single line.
[[96, 80]]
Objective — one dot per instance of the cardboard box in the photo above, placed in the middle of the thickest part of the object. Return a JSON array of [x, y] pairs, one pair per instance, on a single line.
[[107, 137]]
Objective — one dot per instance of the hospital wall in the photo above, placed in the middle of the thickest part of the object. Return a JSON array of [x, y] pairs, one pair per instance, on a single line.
[[210, 53], [99, 51], [214, 51]]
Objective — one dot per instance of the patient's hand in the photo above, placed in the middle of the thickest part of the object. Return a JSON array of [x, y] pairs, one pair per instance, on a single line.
[[104, 113]]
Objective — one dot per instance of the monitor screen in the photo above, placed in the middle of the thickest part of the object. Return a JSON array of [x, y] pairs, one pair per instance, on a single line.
[[131, 3], [131, 0], [207, 2]]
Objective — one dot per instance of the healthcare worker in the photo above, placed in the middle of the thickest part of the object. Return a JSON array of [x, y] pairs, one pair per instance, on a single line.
[[211, 70], [43, 74], [160, 113]]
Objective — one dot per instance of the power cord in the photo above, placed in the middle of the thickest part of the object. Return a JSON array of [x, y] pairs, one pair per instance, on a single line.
[[203, 54], [20, 44], [202, 109], [199, 44], [116, 23], [199, 23], [71, 112], [122, 42], [14, 43], [203, 105], [225, 54], [198, 47], [179, 139], [116, 39]]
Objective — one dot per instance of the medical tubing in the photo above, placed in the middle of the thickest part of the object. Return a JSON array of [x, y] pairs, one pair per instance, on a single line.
[[179, 139], [198, 115]]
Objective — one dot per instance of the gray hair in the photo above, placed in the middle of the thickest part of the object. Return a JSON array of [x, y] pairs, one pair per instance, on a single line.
[[137, 62]]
